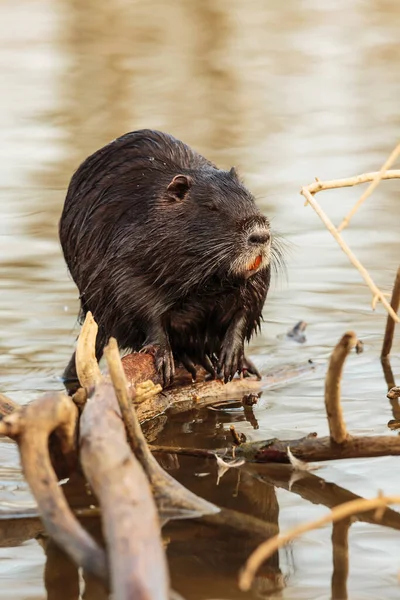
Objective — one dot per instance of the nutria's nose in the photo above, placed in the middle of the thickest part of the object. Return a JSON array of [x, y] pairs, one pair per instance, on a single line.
[[259, 237]]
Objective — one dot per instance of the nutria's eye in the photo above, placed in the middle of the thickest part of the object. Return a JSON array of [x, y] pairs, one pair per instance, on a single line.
[[179, 187], [212, 207]]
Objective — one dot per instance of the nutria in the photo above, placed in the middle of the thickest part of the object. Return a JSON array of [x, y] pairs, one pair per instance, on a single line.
[[168, 252]]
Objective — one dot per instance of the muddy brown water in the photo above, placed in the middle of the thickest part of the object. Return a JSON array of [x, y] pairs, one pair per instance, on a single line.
[[286, 91]]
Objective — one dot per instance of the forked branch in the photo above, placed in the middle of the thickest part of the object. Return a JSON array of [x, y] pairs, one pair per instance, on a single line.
[[308, 193], [374, 178]]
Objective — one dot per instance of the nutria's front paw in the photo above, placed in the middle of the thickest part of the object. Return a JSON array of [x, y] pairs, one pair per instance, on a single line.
[[209, 365], [231, 360], [164, 362], [205, 361]]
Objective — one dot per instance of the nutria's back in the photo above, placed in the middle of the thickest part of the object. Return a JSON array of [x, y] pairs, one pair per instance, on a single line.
[[166, 249]]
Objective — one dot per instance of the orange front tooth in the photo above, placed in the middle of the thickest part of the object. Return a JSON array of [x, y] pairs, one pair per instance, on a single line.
[[255, 264]]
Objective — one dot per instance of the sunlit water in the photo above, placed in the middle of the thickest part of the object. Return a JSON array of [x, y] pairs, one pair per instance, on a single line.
[[286, 91]]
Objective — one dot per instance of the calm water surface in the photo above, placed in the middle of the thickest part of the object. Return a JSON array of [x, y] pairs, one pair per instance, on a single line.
[[286, 91]]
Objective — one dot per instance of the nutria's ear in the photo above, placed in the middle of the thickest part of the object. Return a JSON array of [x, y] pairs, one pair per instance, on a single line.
[[233, 173], [179, 187]]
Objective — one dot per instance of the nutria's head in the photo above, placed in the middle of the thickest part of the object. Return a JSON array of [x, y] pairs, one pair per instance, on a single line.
[[150, 204], [216, 221]]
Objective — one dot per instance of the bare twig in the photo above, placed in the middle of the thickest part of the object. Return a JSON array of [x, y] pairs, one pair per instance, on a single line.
[[373, 185], [319, 186], [390, 324], [265, 550], [308, 192], [337, 427]]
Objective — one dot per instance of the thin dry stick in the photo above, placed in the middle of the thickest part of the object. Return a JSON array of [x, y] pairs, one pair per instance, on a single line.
[[333, 184], [373, 185], [305, 191], [343, 511], [390, 324], [337, 427]]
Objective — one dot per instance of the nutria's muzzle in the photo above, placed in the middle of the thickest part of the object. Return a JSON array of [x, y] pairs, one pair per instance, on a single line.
[[256, 250]]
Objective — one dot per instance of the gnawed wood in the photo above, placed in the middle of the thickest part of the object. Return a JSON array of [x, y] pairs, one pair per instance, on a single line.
[[185, 395]]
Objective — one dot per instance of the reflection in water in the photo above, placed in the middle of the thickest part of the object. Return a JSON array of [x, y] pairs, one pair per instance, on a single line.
[[283, 90], [340, 545]]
